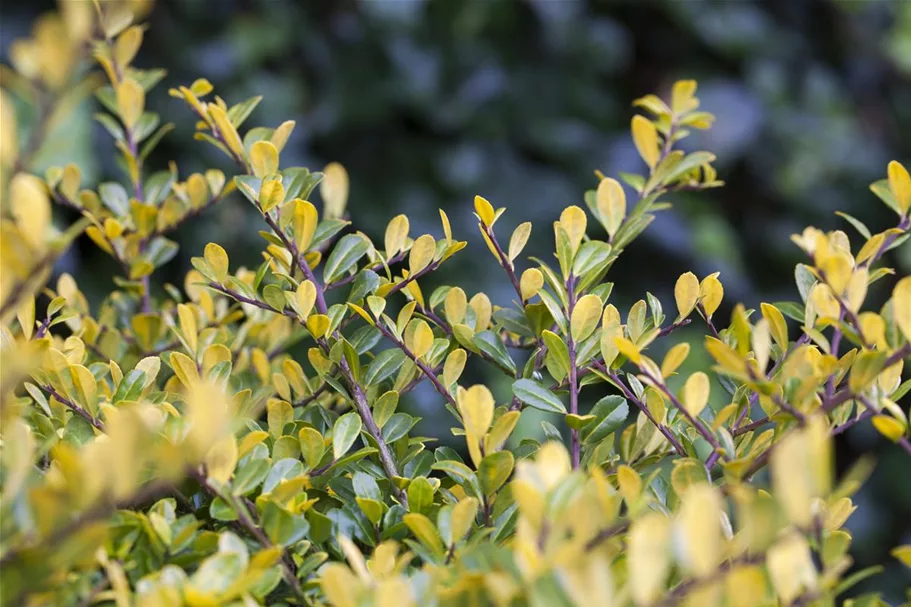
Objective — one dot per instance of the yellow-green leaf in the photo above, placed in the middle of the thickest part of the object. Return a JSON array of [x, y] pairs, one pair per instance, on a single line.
[[217, 259], [303, 223], [519, 239], [585, 316], [425, 531]]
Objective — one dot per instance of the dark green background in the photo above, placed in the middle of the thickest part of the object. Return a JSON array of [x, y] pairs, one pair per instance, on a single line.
[[428, 103]]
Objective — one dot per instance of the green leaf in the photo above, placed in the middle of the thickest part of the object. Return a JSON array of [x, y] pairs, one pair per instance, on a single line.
[[610, 413], [494, 471], [344, 256], [420, 495], [490, 344], [537, 396], [384, 366]]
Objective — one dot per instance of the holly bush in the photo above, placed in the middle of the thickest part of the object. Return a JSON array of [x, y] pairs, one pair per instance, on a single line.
[[168, 448]]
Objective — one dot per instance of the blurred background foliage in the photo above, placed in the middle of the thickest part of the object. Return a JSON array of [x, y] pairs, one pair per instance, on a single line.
[[429, 102]]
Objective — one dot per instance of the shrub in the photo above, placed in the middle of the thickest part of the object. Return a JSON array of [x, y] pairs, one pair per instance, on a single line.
[[167, 449]]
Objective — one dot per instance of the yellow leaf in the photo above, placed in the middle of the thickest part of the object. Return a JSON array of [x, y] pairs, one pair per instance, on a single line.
[[574, 221], [396, 233], [217, 259], [903, 554], [333, 189], [746, 587], [303, 223], [611, 200], [711, 292], [837, 267], [610, 330], [341, 587], [696, 393], [901, 306], [188, 326], [686, 293], [682, 97], [447, 229], [127, 45], [453, 367], [777, 325], [455, 305], [519, 239], [424, 530], [585, 316], [648, 557], [131, 101], [305, 296], [889, 427], [85, 386], [791, 567], [630, 484], [226, 130], [762, 344], [31, 209], [645, 136], [9, 134], [271, 194], [900, 184], [484, 210], [213, 355], [282, 133], [674, 359], [530, 283], [476, 405], [483, 311], [501, 430], [221, 460], [25, 314], [185, 369], [422, 252], [628, 349], [318, 324], [394, 592], [422, 339], [463, 516], [264, 158], [699, 529]]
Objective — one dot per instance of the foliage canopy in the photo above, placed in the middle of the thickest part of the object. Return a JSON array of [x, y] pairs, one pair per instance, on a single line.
[[167, 449]]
